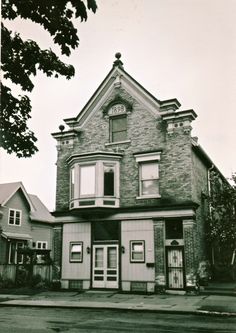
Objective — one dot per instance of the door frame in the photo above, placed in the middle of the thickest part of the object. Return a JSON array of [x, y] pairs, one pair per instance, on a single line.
[[171, 247], [105, 247]]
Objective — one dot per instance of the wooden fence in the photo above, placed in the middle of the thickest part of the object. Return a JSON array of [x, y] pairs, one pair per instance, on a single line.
[[10, 272]]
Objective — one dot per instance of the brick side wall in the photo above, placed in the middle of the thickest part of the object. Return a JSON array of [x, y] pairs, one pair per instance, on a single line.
[[57, 252]]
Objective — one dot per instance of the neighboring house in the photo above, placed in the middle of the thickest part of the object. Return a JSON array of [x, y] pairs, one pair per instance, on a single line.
[[25, 223], [131, 189]]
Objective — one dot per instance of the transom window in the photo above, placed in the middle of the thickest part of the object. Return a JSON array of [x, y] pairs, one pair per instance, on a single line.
[[76, 251], [137, 251], [118, 128], [14, 217]]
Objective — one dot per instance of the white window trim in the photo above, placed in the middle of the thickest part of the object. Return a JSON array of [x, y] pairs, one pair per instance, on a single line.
[[99, 197], [15, 210], [41, 242], [131, 251], [70, 253], [147, 158]]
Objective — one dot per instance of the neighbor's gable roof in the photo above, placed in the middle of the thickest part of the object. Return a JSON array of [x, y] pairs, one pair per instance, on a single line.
[[41, 212], [38, 211], [7, 191]]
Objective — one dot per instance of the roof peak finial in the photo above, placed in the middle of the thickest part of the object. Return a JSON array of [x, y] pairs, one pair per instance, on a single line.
[[118, 62]]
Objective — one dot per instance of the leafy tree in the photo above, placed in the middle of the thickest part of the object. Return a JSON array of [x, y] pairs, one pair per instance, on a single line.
[[221, 221], [21, 60]]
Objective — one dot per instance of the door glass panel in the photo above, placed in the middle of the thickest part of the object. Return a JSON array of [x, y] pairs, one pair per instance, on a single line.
[[111, 257], [99, 257]]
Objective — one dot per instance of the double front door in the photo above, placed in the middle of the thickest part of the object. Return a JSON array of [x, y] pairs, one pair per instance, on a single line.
[[105, 266]]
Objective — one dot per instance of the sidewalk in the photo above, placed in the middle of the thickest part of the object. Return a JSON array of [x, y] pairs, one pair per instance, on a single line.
[[201, 304]]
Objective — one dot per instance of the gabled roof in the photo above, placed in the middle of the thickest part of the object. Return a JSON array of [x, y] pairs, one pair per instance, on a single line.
[[38, 211], [7, 190], [117, 77], [41, 212]]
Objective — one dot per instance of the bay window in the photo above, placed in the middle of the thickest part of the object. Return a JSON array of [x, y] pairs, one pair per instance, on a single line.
[[94, 180]]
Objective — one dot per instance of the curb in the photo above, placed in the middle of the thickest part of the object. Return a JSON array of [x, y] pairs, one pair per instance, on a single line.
[[113, 307]]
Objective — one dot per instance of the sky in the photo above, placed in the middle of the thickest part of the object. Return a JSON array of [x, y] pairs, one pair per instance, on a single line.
[[184, 49]]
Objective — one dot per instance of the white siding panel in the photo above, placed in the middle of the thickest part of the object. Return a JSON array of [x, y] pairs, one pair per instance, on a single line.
[[73, 232], [137, 230]]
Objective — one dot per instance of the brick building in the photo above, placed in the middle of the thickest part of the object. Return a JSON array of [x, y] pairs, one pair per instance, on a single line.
[[131, 183]]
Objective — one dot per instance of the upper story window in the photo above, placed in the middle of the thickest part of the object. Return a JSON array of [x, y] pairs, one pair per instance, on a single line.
[[95, 180], [109, 179], [118, 128], [87, 180], [148, 174], [149, 178], [14, 217]]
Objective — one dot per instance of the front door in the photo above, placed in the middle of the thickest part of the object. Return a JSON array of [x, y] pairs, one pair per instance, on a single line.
[[175, 269], [105, 266]]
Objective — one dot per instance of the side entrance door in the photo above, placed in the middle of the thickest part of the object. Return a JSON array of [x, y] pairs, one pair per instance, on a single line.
[[175, 267], [105, 266]]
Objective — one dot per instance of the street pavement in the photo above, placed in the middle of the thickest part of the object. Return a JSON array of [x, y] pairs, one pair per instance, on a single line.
[[222, 305]]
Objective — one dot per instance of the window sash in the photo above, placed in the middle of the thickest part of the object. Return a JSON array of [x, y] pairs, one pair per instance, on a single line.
[[76, 252], [14, 217], [137, 251], [149, 178], [108, 180], [87, 180], [118, 126]]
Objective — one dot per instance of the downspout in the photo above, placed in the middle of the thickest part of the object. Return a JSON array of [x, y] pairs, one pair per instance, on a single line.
[[210, 208]]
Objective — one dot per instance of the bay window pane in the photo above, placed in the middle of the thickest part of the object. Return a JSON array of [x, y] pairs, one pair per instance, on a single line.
[[87, 180], [109, 180]]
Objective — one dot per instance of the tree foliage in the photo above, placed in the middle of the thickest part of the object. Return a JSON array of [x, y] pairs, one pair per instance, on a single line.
[[221, 222], [21, 60]]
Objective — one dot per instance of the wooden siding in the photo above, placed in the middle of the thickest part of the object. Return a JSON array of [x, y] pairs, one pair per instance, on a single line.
[[137, 230], [73, 232]]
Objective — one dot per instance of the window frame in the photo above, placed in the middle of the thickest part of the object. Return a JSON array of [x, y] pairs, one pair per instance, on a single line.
[[132, 260], [111, 119], [15, 254], [15, 211], [142, 180], [145, 158], [70, 252], [42, 243], [83, 165]]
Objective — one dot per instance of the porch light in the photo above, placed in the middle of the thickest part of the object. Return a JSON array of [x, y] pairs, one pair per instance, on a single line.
[[88, 249], [122, 249]]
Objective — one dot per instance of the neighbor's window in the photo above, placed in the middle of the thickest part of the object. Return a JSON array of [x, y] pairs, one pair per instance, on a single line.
[[14, 217], [15, 257], [137, 253], [109, 178], [149, 179], [76, 252], [41, 245], [87, 180], [118, 128]]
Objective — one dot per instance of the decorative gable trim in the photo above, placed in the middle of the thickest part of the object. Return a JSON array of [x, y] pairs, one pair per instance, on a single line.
[[125, 107]]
